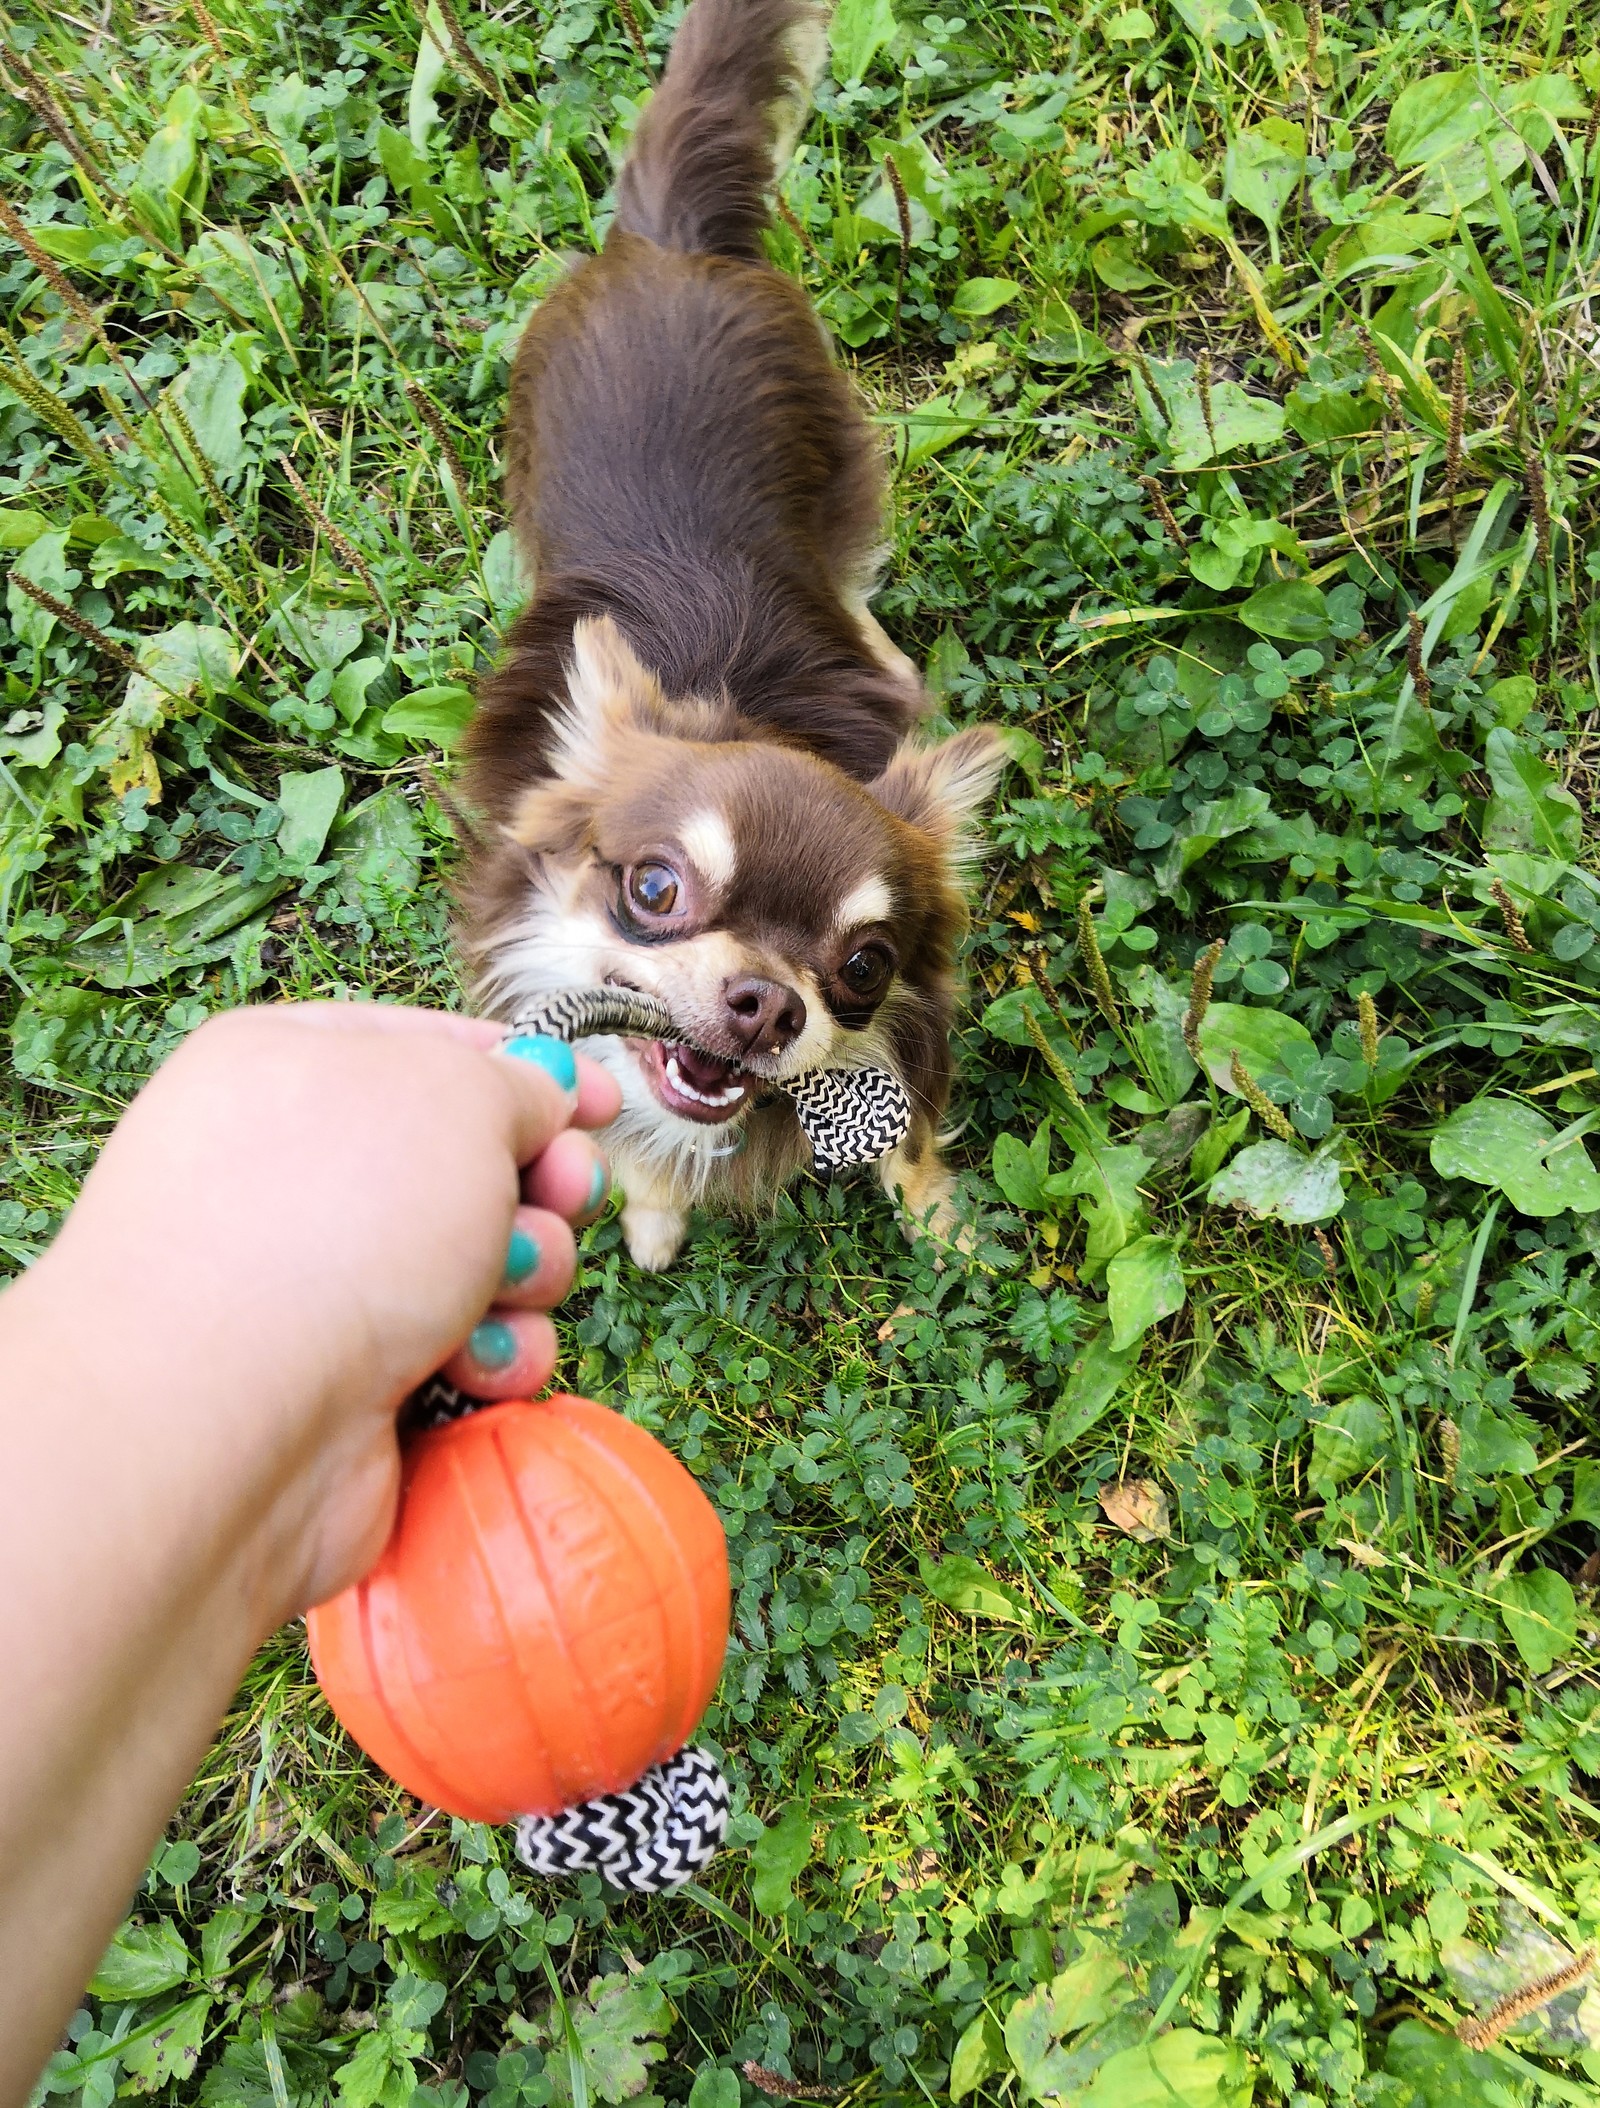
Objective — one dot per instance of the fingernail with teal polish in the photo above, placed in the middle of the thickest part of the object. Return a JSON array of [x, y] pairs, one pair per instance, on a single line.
[[522, 1259], [493, 1346], [598, 1185], [554, 1056]]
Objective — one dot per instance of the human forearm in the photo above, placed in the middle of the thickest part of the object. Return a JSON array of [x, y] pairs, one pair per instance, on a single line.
[[119, 1653]]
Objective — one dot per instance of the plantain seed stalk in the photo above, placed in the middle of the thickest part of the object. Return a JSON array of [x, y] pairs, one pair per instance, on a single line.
[[1202, 381], [902, 207], [1449, 1443], [1511, 916], [1270, 1115], [49, 407], [1517, 2005], [1458, 426], [1095, 966], [1380, 373], [64, 612], [1420, 681], [1200, 996], [65, 291], [1052, 1060], [1367, 1017], [428, 412], [630, 22], [1538, 502], [339, 543], [1163, 511]]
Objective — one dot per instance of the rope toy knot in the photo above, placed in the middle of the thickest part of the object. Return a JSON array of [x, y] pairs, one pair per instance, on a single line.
[[651, 1838]]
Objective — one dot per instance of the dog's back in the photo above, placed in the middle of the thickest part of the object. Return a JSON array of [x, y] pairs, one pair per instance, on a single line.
[[683, 454]]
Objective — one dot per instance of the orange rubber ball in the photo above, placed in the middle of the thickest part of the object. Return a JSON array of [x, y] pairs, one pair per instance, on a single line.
[[547, 1620]]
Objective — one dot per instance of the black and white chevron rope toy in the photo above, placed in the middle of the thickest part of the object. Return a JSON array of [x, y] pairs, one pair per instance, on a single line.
[[665, 1829], [850, 1116], [655, 1836]]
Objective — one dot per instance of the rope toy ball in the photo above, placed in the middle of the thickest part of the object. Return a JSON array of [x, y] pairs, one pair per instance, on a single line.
[[541, 1636]]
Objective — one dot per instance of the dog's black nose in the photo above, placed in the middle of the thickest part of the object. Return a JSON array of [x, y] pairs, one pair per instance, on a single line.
[[763, 1016]]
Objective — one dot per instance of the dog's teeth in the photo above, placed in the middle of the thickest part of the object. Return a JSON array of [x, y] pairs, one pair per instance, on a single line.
[[714, 1099], [681, 1084]]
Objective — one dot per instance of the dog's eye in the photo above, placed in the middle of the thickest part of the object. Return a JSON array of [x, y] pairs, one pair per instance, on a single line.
[[654, 887], [865, 971]]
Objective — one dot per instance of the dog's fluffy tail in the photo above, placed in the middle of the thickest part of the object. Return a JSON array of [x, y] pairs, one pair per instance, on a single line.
[[721, 125]]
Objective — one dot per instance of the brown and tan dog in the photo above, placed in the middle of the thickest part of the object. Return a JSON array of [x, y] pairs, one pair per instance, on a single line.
[[695, 753]]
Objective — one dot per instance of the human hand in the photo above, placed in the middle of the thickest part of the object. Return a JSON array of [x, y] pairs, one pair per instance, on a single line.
[[314, 1206], [305, 1211]]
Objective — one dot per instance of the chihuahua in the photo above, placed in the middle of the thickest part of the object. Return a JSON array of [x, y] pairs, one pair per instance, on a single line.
[[697, 757]]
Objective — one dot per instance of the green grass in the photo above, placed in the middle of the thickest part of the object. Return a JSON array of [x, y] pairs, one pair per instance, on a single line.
[[1228, 338]]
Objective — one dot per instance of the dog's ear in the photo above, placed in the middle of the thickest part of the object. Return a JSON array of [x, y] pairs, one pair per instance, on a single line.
[[552, 817], [608, 692], [615, 707], [940, 788]]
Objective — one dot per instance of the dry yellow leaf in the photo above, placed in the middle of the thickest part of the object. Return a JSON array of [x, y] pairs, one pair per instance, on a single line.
[[1138, 1508], [1362, 1554]]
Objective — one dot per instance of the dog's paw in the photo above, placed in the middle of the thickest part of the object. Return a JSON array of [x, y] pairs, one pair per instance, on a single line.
[[655, 1236], [942, 1225], [929, 1202]]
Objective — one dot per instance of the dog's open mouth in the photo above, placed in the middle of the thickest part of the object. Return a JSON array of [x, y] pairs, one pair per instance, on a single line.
[[693, 1085]]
